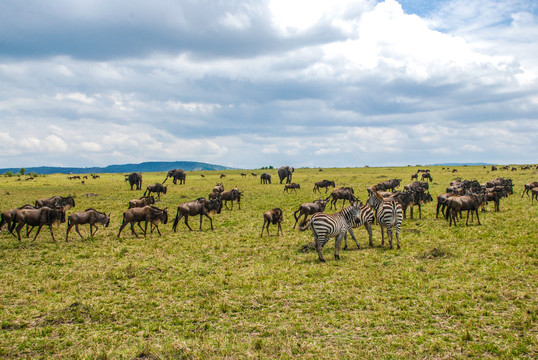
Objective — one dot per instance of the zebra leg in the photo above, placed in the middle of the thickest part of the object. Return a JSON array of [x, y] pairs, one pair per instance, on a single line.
[[368, 228], [382, 235], [353, 237], [337, 244], [319, 245], [389, 234]]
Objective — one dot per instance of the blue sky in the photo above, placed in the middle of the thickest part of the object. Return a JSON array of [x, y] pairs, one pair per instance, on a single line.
[[255, 83]]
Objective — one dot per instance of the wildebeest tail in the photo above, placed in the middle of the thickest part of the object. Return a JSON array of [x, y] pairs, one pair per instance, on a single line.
[[176, 220]]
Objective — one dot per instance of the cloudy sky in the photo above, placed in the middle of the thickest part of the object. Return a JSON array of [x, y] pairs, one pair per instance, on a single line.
[[268, 82]]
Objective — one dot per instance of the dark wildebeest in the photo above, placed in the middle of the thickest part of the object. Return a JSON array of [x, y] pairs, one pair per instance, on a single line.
[[534, 193], [427, 176], [343, 193], [254, 174], [38, 217], [143, 201], [243, 175], [529, 187], [148, 214], [218, 188], [441, 203], [176, 174], [231, 195], [157, 188], [285, 172], [201, 206], [134, 179], [89, 216], [222, 175], [292, 186], [414, 176], [275, 217], [387, 185], [323, 184], [56, 202], [265, 178], [309, 209], [8, 217], [469, 202], [215, 195]]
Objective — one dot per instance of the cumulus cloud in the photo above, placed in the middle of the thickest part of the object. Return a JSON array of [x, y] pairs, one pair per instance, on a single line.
[[250, 84]]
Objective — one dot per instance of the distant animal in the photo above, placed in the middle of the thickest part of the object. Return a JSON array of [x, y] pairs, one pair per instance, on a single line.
[[388, 215], [243, 175], [201, 206], [414, 176], [254, 174], [222, 175], [275, 217], [427, 176], [218, 188], [290, 187], [342, 193], [38, 217], [309, 209], [147, 214], [231, 195], [326, 226], [89, 216], [528, 187], [265, 178], [323, 184], [285, 172], [141, 202], [470, 202], [56, 202], [157, 188], [134, 179], [176, 174]]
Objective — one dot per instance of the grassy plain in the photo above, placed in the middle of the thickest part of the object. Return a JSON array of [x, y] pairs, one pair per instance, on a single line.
[[460, 292]]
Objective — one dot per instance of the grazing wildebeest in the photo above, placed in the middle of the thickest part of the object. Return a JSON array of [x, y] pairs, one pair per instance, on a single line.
[[231, 195], [343, 193], [243, 175], [222, 175], [134, 179], [38, 217], [89, 216], [427, 176], [529, 187], [470, 202], [56, 202], [148, 214], [387, 185], [265, 178], [275, 217], [309, 209], [323, 184], [414, 176], [285, 172], [201, 206], [534, 193], [176, 174], [141, 202], [218, 188], [8, 217], [254, 174], [292, 186], [157, 188]]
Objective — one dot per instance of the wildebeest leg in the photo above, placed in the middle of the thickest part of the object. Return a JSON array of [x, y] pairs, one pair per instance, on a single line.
[[265, 222], [187, 222], [419, 211], [38, 230], [132, 229], [51, 233], [92, 233], [78, 232], [210, 221], [121, 227], [477, 218], [279, 228], [18, 230]]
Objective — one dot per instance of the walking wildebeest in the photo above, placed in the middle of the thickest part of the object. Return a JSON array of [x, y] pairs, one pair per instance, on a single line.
[[201, 206], [309, 209], [292, 186], [157, 188], [89, 216], [148, 214], [529, 187], [141, 202], [343, 193], [534, 193], [8, 217], [275, 217], [469, 202], [38, 217], [56, 202], [323, 184], [427, 176], [231, 195]]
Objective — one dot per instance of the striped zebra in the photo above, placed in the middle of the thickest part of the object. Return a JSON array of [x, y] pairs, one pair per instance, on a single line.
[[364, 218], [325, 226], [388, 214]]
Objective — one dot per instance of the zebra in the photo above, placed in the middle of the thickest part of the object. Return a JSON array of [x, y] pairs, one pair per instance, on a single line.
[[388, 214], [365, 218], [325, 226]]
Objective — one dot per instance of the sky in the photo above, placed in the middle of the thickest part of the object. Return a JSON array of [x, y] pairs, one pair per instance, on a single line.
[[248, 84]]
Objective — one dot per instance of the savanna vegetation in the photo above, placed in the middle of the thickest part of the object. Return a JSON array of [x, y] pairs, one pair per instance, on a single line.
[[459, 292]]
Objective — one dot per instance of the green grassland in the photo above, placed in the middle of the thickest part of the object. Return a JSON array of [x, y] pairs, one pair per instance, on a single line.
[[449, 293]]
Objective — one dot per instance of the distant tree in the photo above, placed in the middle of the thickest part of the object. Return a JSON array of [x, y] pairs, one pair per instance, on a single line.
[[22, 171], [9, 173]]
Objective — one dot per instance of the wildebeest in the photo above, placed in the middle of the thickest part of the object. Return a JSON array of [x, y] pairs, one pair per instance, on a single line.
[[89, 216], [534, 193], [148, 214], [292, 186], [427, 176], [414, 176], [218, 188], [309, 209], [231, 195], [387, 185], [254, 174], [134, 179], [470, 202], [38, 217], [529, 187], [285, 172], [441, 203], [176, 174], [265, 178], [201, 206], [275, 217], [323, 184], [342, 193], [56, 202], [157, 188], [141, 202], [8, 217]]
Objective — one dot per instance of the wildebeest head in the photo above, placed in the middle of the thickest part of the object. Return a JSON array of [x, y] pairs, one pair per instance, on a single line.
[[277, 216]]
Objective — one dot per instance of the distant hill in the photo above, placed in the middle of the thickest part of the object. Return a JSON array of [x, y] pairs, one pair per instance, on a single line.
[[153, 166], [463, 164]]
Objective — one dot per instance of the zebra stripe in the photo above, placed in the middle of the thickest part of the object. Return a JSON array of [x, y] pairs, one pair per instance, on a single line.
[[389, 215], [326, 226], [365, 218]]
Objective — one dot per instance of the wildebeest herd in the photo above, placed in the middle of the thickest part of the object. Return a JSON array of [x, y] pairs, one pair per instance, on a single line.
[[384, 205]]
